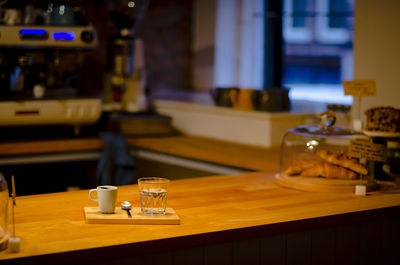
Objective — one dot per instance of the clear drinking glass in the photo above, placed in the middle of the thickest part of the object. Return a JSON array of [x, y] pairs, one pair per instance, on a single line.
[[4, 234], [153, 195]]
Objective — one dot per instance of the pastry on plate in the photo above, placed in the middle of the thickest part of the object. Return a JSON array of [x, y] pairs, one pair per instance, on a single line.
[[330, 171], [342, 160], [382, 119], [298, 165]]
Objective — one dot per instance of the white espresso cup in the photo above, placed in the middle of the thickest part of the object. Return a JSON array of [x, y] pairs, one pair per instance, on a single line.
[[106, 197]]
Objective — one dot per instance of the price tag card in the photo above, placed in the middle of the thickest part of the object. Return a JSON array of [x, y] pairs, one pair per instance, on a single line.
[[364, 149], [360, 88]]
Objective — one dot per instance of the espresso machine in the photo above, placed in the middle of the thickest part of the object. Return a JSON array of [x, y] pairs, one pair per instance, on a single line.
[[42, 50]]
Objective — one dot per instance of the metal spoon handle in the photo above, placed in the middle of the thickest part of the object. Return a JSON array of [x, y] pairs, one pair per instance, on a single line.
[[129, 213], [127, 207]]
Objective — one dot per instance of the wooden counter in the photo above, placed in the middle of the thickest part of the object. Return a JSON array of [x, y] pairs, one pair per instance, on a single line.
[[215, 151], [246, 214], [50, 146], [199, 148]]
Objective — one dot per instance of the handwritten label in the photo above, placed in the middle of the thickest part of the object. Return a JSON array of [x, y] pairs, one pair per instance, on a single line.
[[360, 88], [364, 149]]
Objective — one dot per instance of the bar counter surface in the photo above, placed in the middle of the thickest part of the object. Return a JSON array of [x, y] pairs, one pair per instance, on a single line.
[[213, 211]]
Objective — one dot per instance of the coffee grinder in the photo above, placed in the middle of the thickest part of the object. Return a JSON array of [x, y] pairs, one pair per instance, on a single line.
[[125, 80]]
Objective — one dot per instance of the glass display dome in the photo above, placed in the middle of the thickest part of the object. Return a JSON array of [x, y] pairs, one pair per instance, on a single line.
[[4, 235], [315, 158]]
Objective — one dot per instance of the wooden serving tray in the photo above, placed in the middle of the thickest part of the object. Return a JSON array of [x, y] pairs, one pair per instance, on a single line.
[[94, 216], [316, 184]]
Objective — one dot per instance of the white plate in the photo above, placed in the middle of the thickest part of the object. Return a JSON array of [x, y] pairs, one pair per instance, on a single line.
[[382, 134]]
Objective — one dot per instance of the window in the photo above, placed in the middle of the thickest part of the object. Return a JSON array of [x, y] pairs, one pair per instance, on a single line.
[[239, 44], [318, 49], [228, 50]]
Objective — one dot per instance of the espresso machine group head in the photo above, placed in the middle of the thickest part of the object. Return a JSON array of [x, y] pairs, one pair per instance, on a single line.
[[42, 49]]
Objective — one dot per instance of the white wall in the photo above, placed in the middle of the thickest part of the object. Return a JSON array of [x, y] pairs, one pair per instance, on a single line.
[[255, 128], [377, 51]]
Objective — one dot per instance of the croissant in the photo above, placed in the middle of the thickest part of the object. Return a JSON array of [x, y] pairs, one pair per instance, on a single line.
[[342, 160], [329, 171], [298, 165]]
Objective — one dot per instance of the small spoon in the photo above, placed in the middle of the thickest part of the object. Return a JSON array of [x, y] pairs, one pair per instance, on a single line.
[[127, 207]]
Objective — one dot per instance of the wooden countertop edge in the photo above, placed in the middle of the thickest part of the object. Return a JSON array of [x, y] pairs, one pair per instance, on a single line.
[[50, 146], [193, 147], [212, 150], [199, 240]]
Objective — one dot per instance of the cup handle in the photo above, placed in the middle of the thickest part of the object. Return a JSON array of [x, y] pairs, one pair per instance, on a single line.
[[90, 194]]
